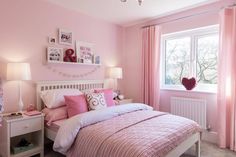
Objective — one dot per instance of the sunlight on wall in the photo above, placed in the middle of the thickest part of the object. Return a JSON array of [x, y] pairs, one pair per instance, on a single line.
[[14, 56], [11, 56]]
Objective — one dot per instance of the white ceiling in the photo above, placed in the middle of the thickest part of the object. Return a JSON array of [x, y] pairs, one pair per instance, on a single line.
[[129, 13]]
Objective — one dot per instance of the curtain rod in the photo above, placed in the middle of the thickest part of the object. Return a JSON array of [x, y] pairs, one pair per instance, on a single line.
[[193, 15]]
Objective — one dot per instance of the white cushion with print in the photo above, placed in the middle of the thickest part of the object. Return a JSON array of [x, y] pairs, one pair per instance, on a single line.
[[96, 101]]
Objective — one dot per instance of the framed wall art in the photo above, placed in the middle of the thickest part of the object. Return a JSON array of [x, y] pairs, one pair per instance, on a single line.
[[97, 60], [52, 40], [54, 54], [65, 37], [84, 52]]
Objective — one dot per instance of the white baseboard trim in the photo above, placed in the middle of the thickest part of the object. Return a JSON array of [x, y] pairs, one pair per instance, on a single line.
[[211, 136]]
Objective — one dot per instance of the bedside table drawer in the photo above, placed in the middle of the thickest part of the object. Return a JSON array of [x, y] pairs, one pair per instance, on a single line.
[[25, 126]]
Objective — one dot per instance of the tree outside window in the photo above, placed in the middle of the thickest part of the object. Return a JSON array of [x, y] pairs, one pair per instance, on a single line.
[[191, 54]]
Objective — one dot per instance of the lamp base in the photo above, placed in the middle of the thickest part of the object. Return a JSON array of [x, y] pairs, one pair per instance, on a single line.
[[21, 105]]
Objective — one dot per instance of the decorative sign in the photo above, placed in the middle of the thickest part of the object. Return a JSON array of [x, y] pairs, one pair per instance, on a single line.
[[84, 52]]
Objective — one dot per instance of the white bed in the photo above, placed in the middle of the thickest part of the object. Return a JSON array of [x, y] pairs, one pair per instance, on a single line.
[[51, 85], [91, 84]]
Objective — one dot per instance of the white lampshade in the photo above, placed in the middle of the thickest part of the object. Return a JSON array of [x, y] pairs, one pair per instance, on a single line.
[[18, 71], [116, 73]]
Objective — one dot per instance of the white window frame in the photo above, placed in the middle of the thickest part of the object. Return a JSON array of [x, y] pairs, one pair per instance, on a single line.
[[194, 34]]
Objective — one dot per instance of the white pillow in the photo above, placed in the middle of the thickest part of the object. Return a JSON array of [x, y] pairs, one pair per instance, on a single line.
[[96, 101], [55, 98]]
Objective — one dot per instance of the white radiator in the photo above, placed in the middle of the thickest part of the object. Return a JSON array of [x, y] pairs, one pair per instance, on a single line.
[[194, 109]]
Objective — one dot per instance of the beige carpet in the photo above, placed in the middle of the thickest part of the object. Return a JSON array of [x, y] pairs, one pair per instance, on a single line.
[[207, 150], [210, 150]]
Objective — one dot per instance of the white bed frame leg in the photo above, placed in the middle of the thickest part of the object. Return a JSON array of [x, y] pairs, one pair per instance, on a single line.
[[185, 145], [198, 144]]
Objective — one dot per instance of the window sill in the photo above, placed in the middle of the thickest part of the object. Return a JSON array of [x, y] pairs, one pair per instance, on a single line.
[[195, 90]]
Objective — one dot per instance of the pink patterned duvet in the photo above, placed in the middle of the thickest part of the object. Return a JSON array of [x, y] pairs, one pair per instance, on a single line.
[[137, 134]]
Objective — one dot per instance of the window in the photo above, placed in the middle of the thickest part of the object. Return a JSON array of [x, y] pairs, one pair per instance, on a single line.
[[191, 53]]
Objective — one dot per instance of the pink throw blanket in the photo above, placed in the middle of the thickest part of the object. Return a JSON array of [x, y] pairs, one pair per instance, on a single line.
[[137, 134]]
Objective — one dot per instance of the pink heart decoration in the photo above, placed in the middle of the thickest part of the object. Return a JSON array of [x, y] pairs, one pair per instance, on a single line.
[[189, 84]]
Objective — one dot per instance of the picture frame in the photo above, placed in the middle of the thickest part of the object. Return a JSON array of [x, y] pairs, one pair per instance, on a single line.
[[97, 59], [54, 54], [85, 52], [52, 40], [65, 37]]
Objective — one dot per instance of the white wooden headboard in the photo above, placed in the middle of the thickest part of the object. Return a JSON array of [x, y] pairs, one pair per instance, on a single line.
[[51, 85]]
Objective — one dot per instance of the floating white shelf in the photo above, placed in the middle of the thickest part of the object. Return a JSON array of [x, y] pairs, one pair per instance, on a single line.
[[74, 63]]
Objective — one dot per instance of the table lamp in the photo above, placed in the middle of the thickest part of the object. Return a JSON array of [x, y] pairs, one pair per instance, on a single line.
[[19, 72], [116, 73]]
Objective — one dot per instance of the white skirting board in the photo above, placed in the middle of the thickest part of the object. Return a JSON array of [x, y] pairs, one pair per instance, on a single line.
[[211, 136]]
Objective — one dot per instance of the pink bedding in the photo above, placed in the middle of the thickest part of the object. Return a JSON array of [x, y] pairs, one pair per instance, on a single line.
[[143, 133], [55, 125]]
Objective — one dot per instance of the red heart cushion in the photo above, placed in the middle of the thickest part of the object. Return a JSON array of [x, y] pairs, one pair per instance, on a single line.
[[189, 84]]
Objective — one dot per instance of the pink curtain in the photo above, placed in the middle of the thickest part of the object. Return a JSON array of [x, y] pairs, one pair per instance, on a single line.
[[227, 80], [151, 38]]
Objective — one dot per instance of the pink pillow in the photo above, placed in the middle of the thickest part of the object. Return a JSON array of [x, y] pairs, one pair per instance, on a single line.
[[55, 114], [76, 104], [108, 93]]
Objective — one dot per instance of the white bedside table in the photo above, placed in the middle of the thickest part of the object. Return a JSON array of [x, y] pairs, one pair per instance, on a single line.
[[124, 101], [13, 130]]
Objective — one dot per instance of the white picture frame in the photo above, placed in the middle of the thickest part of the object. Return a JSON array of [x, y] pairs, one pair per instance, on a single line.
[[85, 52], [65, 37], [54, 54], [97, 59], [52, 40]]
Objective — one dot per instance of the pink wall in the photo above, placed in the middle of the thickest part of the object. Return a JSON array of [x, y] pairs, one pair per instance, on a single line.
[[25, 27], [132, 59]]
